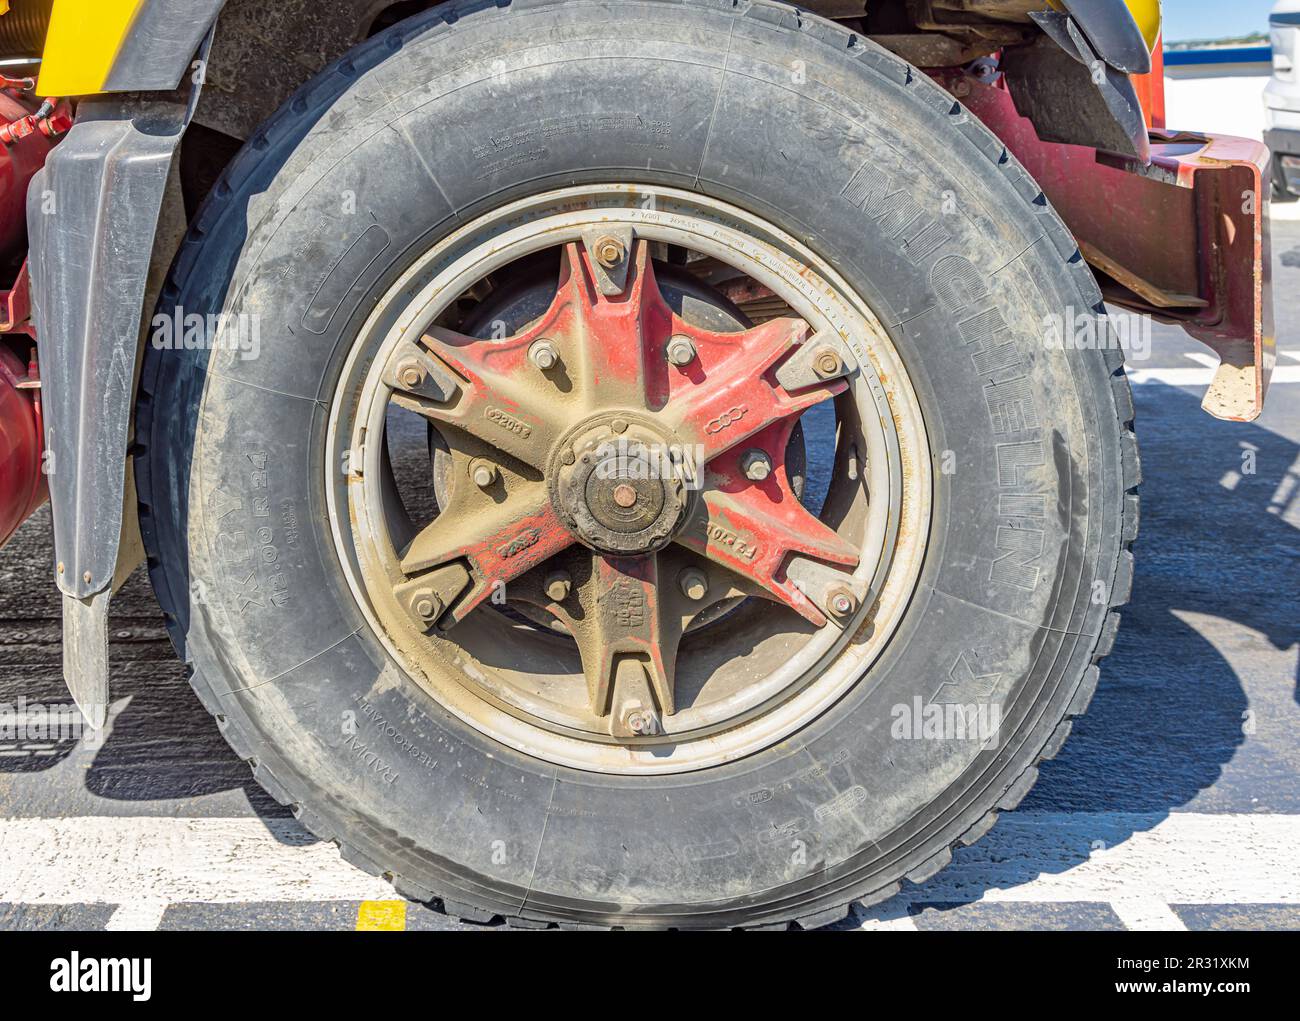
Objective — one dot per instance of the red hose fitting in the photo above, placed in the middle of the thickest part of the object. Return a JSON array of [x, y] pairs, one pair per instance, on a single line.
[[54, 118]]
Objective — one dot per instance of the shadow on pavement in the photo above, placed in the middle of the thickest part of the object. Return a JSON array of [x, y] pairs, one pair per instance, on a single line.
[[1171, 711]]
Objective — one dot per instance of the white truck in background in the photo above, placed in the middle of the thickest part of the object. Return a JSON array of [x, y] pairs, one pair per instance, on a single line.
[[1282, 100]]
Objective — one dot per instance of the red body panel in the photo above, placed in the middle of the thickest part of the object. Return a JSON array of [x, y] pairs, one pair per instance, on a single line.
[[1183, 239], [22, 485]]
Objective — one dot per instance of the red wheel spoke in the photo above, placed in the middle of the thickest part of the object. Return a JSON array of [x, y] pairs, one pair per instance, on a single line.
[[619, 361], [499, 541], [752, 528], [730, 391], [600, 350], [628, 647], [498, 402]]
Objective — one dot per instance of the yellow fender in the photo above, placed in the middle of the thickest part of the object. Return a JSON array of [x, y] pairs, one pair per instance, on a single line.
[[84, 39]]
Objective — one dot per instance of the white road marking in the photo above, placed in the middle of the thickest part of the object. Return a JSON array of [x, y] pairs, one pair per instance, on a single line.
[[104, 860], [1284, 210], [1146, 914], [892, 916], [1108, 856], [1140, 863], [137, 916], [1188, 376]]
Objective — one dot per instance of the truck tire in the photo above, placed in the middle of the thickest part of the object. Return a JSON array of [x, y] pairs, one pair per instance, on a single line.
[[883, 662]]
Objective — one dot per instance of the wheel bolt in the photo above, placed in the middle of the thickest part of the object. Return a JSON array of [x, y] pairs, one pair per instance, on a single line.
[[693, 583], [610, 251], [426, 605], [681, 351], [756, 465], [826, 363], [558, 586], [544, 355], [484, 473], [643, 722], [409, 373], [841, 602]]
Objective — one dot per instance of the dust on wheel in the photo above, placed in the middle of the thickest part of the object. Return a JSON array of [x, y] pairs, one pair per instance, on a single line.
[[617, 573], [631, 462]]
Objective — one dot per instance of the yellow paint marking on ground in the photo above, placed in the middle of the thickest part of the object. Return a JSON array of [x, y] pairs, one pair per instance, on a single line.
[[381, 916]]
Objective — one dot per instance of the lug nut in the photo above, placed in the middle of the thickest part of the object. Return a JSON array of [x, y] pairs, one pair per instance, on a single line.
[[693, 583], [558, 586], [610, 251], [544, 355], [409, 373], [426, 605], [484, 473], [841, 602], [756, 465], [681, 351], [643, 722], [826, 363]]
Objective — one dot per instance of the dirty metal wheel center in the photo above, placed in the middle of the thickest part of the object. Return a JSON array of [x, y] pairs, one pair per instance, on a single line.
[[624, 571], [622, 487]]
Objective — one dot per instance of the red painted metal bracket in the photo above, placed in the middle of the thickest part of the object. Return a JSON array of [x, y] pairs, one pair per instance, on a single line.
[[1183, 238], [16, 305]]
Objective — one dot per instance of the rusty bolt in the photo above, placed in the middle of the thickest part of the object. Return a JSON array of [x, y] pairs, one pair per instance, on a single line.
[[961, 87], [409, 372], [693, 583], [558, 586], [681, 351], [624, 495], [610, 251], [426, 605], [484, 473], [826, 362], [543, 355], [568, 457], [756, 465], [619, 425], [841, 601], [643, 722]]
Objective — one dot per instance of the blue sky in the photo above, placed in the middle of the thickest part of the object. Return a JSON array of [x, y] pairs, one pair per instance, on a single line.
[[1213, 19]]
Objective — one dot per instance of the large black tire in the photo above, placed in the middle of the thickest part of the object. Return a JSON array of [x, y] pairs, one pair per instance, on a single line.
[[766, 108]]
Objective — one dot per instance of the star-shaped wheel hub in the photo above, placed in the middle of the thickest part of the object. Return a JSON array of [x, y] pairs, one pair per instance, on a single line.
[[622, 470]]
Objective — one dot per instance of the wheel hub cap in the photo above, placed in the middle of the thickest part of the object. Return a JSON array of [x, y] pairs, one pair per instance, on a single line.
[[625, 492]]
